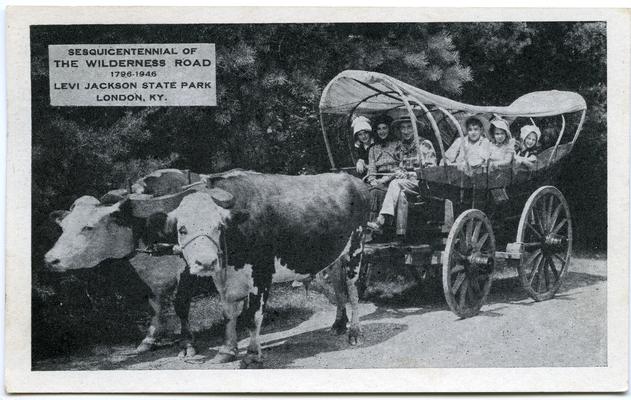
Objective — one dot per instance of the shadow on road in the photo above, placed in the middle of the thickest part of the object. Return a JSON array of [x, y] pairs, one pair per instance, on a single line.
[[291, 309], [428, 296], [283, 352]]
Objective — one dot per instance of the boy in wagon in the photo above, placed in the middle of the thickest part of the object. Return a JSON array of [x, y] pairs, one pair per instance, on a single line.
[[471, 152], [405, 182]]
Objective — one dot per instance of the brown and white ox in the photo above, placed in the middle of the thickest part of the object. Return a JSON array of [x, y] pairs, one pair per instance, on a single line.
[[304, 221], [94, 231]]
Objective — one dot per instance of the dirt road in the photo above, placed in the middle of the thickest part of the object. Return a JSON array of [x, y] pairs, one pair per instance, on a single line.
[[420, 331]]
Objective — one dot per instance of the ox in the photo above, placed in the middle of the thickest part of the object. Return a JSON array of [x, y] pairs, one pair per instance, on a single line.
[[235, 230], [93, 231]]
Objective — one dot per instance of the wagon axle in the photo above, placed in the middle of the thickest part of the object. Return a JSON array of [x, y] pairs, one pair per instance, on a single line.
[[480, 262]]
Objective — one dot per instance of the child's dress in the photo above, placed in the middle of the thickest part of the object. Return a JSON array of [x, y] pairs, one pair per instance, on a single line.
[[502, 154]]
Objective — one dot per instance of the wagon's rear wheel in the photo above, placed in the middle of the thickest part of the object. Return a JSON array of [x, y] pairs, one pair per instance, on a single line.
[[468, 262], [545, 231]]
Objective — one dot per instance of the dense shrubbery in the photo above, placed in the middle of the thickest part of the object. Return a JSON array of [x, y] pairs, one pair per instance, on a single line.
[[270, 78]]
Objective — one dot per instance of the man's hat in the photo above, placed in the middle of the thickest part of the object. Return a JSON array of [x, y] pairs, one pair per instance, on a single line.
[[400, 115]]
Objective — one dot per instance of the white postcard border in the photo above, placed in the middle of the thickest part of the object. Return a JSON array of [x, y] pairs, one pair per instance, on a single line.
[[18, 374]]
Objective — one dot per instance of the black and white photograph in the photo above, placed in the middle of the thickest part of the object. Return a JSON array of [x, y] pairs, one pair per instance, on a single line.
[[320, 195]]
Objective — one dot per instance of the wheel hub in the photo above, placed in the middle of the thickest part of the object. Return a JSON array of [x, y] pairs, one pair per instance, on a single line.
[[554, 242], [481, 263]]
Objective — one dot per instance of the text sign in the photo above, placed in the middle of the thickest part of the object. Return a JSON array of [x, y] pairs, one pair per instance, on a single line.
[[132, 75]]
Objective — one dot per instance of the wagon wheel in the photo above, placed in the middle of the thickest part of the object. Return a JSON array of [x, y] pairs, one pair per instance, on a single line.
[[468, 262], [545, 231]]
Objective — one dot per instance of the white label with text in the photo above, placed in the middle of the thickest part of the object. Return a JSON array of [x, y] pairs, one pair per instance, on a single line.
[[132, 75]]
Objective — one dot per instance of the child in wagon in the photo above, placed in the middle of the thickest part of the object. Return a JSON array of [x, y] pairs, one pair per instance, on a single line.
[[527, 154], [472, 152], [502, 149]]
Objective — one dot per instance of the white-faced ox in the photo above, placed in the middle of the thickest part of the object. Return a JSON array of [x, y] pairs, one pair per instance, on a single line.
[[308, 222], [93, 232]]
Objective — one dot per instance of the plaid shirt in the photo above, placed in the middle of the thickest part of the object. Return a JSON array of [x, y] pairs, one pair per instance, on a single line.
[[408, 155]]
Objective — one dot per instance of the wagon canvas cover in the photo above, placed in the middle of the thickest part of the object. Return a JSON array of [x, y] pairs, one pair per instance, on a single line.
[[373, 91]]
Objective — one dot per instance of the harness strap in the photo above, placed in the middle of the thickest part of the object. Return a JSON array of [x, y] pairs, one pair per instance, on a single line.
[[222, 250]]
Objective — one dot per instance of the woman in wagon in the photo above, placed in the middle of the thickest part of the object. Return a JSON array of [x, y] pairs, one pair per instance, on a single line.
[[502, 148], [405, 182], [529, 148], [362, 132], [471, 152], [383, 157]]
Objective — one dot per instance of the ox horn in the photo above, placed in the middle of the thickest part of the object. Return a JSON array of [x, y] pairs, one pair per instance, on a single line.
[[221, 197], [113, 196]]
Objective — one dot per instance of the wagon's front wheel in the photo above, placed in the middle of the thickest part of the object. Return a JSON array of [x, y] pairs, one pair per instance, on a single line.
[[468, 262], [545, 234]]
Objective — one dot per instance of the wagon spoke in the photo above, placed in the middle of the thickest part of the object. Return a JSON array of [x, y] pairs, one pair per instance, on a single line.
[[476, 232], [462, 245], [534, 272], [458, 255], [561, 225], [537, 219], [555, 216], [463, 293], [549, 211], [456, 269], [482, 241], [533, 257], [541, 278], [469, 233], [532, 228], [459, 279], [558, 257], [475, 286], [553, 268], [546, 267]]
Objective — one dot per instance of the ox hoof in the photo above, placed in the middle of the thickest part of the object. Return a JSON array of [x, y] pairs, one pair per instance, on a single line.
[[144, 347], [339, 326], [355, 337], [251, 361], [222, 358], [188, 351]]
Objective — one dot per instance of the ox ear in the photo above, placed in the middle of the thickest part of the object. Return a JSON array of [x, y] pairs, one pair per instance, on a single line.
[[161, 228], [221, 197], [58, 215]]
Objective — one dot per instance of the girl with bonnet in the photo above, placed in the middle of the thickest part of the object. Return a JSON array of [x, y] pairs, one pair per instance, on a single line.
[[362, 132], [502, 149], [527, 154]]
